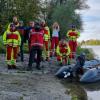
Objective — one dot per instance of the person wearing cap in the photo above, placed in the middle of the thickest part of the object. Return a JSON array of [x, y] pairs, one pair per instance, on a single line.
[[46, 39], [36, 46], [12, 41], [55, 38], [21, 30], [63, 52], [72, 36]]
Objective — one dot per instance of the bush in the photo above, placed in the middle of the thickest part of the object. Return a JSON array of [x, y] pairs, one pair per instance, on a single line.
[[89, 53]]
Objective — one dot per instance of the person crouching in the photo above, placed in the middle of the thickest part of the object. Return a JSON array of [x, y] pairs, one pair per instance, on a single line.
[[36, 46], [63, 52], [12, 41]]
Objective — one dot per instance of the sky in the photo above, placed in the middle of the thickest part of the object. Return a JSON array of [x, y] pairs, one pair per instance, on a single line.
[[91, 21]]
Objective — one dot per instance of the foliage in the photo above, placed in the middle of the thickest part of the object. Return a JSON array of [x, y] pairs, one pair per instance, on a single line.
[[91, 42], [64, 12], [89, 53], [25, 9]]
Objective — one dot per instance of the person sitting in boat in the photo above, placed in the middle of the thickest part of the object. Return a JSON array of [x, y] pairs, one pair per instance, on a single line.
[[78, 68], [63, 52]]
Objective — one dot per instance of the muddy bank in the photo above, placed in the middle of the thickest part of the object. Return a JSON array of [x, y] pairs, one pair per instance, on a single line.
[[35, 85]]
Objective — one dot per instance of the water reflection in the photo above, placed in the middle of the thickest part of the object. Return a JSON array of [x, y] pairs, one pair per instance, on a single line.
[[83, 91], [76, 90], [88, 91], [93, 90]]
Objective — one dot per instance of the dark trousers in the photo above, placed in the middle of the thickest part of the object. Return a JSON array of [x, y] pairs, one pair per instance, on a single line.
[[35, 51], [21, 51]]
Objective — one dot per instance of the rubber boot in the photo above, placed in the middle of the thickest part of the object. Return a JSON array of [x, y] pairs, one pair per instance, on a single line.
[[9, 66], [14, 67], [29, 68], [38, 67]]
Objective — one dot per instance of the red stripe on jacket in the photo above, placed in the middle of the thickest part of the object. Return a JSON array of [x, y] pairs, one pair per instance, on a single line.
[[12, 36]]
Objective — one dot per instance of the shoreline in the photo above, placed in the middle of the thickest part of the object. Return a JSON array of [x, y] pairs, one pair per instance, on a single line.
[[27, 85]]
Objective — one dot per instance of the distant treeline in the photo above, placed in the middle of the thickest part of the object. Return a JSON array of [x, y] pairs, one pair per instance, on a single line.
[[91, 42]]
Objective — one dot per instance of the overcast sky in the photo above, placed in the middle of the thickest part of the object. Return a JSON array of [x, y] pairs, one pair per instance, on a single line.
[[91, 21]]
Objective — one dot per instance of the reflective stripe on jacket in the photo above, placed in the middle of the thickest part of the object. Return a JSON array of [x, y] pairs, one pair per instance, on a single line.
[[63, 49], [36, 38], [73, 35], [11, 38]]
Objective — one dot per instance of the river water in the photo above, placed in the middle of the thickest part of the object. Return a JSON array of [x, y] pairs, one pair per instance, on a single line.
[[86, 91], [96, 50], [93, 90]]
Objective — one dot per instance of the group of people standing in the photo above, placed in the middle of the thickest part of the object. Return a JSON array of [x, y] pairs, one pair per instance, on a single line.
[[39, 39]]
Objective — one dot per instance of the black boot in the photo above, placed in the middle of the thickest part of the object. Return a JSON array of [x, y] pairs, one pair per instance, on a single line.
[[38, 67], [29, 68], [14, 67], [9, 67]]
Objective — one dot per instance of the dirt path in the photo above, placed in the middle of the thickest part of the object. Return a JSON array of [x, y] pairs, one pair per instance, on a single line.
[[35, 85]]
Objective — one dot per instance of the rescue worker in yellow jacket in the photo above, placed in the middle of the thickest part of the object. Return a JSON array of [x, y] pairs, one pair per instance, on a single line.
[[63, 52], [12, 41], [46, 39], [72, 36]]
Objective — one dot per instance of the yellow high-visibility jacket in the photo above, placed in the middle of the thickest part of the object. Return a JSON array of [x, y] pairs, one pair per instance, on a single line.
[[73, 35], [11, 38], [46, 33], [63, 50]]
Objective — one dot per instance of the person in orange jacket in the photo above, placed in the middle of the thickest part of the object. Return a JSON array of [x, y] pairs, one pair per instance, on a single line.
[[12, 41], [63, 52], [36, 46], [46, 39], [72, 36]]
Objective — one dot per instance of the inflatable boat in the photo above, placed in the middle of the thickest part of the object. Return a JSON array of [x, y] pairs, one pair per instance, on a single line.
[[91, 72]]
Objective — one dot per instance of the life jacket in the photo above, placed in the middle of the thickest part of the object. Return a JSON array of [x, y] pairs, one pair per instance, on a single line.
[[73, 35], [63, 48], [12, 38], [36, 38]]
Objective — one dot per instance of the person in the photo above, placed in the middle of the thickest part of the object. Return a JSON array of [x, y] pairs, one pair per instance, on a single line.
[[12, 41], [30, 27], [55, 38], [78, 68], [36, 46], [15, 22], [72, 36], [63, 52], [21, 30], [46, 39]]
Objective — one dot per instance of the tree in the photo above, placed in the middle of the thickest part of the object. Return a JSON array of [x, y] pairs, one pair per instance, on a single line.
[[25, 9], [64, 12]]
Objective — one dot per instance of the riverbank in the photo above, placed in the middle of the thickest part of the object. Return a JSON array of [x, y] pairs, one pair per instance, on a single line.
[[36, 85]]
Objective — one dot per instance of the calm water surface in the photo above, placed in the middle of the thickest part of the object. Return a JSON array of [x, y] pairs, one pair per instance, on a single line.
[[86, 91], [93, 90]]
